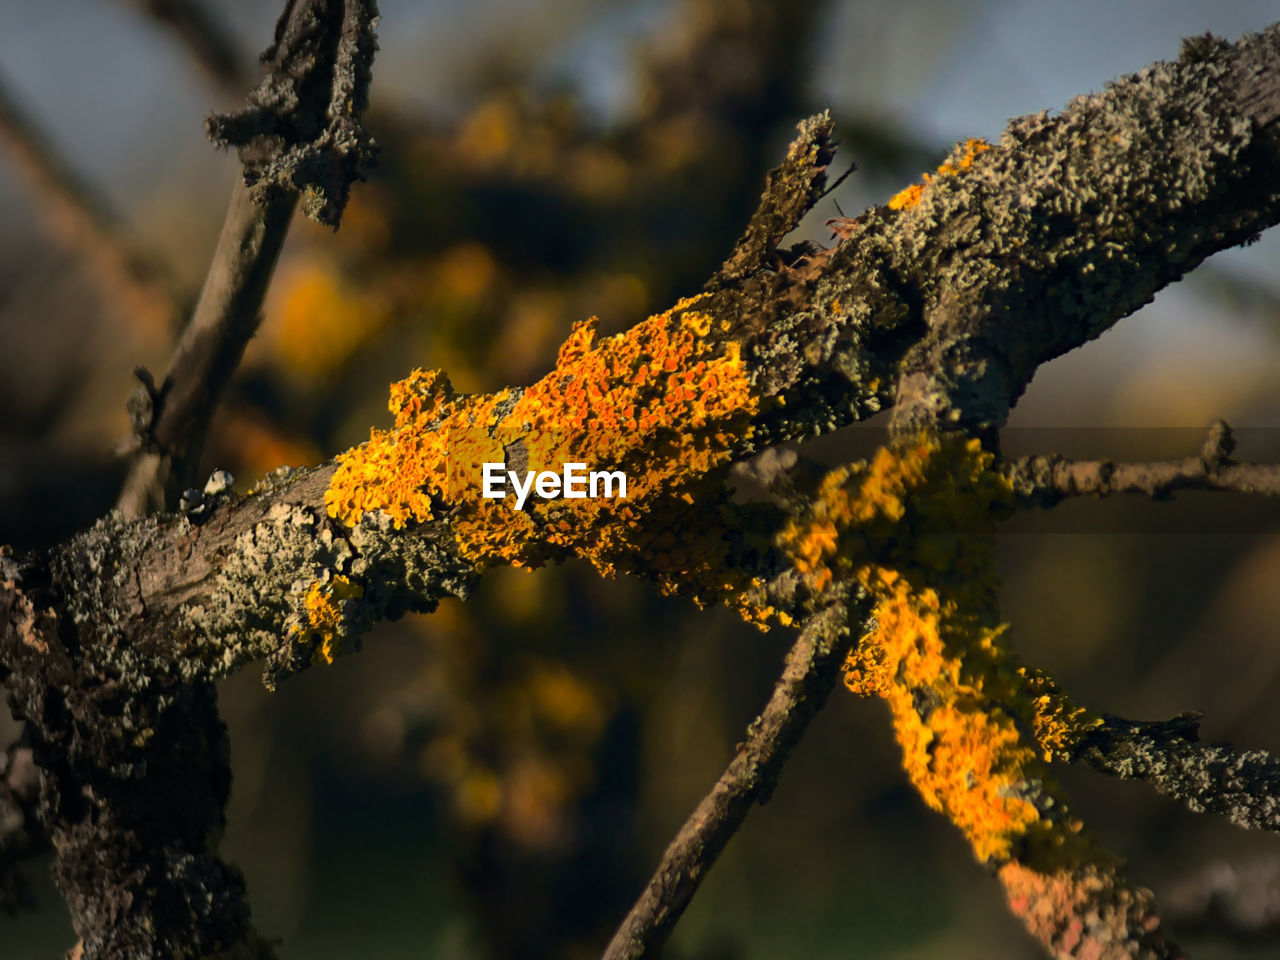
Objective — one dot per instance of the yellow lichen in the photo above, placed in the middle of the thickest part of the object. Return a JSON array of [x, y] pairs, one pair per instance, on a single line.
[[934, 666], [950, 492], [961, 160], [1059, 724], [323, 606], [908, 196], [913, 528], [660, 402]]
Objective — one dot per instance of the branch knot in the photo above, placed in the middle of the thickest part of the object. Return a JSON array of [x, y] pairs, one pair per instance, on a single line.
[[300, 130]]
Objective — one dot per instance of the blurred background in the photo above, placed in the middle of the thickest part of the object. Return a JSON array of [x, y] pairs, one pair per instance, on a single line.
[[497, 779]]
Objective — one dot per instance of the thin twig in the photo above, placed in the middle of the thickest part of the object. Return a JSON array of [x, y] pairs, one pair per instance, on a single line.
[[812, 667], [1047, 480], [298, 135], [1242, 785], [84, 221], [212, 47], [177, 414]]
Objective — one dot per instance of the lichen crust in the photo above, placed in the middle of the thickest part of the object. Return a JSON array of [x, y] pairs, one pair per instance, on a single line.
[[320, 628], [961, 159], [665, 402], [913, 527]]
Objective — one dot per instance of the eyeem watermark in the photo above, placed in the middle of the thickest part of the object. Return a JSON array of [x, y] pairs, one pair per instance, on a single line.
[[574, 483]]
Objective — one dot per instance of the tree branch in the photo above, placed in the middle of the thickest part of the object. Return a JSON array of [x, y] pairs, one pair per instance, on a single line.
[[1006, 258], [300, 130], [1047, 480], [791, 189], [812, 667], [300, 134], [170, 421], [1242, 785], [824, 335], [1071, 254]]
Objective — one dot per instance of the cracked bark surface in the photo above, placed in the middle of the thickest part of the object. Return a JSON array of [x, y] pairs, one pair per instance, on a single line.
[[943, 309]]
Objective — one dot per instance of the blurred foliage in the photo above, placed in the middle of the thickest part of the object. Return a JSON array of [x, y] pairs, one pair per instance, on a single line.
[[498, 778]]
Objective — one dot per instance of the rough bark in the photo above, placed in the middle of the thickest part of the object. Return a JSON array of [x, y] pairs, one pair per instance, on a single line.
[[943, 304], [1242, 785]]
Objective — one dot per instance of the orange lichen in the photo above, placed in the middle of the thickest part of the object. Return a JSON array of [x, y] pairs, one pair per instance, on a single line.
[[323, 605], [1059, 724], [960, 748], [913, 528], [964, 754], [908, 196], [970, 149], [661, 402], [960, 160], [949, 492]]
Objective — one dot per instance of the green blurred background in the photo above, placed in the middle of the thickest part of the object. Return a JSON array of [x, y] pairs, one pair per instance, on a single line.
[[497, 779]]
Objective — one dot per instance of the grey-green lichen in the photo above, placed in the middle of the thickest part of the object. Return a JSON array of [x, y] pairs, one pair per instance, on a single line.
[[1070, 224], [258, 605], [259, 586], [1028, 249], [96, 571], [1242, 785], [944, 302]]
